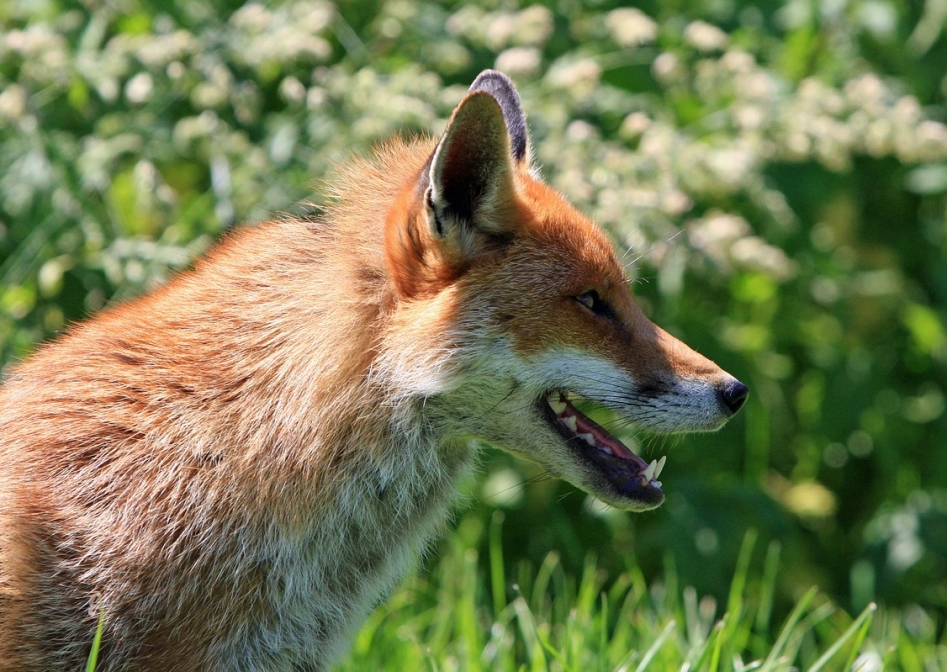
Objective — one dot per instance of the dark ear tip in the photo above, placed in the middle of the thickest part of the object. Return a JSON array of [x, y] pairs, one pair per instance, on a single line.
[[504, 92], [490, 80]]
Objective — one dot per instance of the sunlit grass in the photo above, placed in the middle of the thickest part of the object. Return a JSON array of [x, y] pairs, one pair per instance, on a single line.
[[468, 613]]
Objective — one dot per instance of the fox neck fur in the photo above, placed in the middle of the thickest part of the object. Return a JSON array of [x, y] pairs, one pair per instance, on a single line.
[[331, 443], [236, 468]]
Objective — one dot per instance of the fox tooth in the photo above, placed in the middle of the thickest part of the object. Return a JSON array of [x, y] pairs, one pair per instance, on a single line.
[[606, 450], [555, 404], [588, 438], [569, 422], [660, 467], [649, 472]]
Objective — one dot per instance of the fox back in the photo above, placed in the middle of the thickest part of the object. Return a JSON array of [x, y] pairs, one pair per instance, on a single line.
[[235, 469]]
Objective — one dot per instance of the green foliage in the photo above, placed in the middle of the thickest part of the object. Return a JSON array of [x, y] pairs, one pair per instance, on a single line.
[[456, 618], [778, 172], [96, 644]]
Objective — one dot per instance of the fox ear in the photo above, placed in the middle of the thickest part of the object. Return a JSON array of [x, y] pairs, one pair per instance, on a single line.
[[463, 204], [470, 181], [501, 88]]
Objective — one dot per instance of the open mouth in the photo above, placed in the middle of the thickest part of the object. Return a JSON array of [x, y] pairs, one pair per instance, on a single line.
[[630, 476]]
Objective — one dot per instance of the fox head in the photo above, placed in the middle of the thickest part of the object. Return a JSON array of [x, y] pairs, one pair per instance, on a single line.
[[529, 299]]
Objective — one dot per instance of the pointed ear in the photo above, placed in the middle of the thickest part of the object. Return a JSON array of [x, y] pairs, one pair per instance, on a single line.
[[470, 181], [471, 175], [501, 88], [464, 202]]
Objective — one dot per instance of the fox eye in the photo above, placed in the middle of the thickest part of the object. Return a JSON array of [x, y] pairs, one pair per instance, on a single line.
[[594, 302]]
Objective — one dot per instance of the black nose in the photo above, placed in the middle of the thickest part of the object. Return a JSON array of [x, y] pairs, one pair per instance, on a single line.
[[733, 395]]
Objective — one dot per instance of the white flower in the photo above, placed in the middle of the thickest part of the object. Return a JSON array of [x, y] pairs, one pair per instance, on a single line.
[[705, 37], [13, 102], [519, 61], [138, 88], [292, 90], [630, 27], [634, 125], [666, 68], [579, 77], [534, 25]]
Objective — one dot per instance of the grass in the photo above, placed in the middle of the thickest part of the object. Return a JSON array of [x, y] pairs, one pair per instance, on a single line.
[[468, 614], [465, 614], [96, 643]]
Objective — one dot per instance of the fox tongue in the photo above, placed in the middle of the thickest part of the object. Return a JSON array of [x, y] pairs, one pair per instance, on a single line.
[[585, 425], [626, 472], [607, 447]]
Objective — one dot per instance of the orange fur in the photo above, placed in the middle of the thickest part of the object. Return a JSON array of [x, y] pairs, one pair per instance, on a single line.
[[236, 468]]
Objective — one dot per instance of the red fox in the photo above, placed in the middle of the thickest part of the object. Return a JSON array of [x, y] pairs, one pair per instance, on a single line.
[[235, 469]]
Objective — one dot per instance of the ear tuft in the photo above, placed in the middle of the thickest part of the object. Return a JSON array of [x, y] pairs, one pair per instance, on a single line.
[[504, 92]]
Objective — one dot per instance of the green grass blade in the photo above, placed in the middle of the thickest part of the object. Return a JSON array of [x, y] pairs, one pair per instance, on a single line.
[[768, 586], [554, 652], [860, 626], [738, 585], [787, 630], [654, 648], [531, 640], [857, 645], [468, 627], [721, 631], [544, 577], [867, 616], [96, 643], [497, 572], [603, 630]]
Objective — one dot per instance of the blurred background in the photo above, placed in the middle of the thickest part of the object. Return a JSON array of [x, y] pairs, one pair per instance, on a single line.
[[774, 172]]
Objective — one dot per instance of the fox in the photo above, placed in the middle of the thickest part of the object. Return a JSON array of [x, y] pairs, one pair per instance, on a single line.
[[232, 471]]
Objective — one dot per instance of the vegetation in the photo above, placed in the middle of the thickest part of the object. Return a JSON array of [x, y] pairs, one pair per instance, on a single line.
[[549, 618], [777, 171]]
